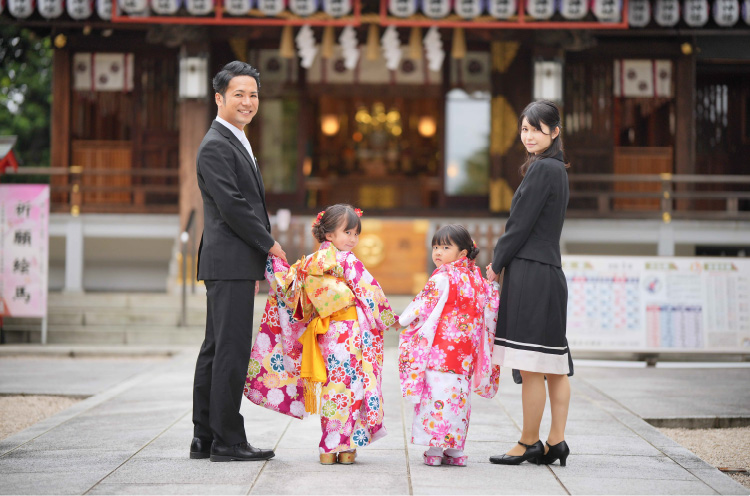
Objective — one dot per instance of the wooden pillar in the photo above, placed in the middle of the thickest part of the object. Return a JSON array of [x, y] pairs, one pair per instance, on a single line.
[[194, 122], [60, 121], [685, 84], [512, 82]]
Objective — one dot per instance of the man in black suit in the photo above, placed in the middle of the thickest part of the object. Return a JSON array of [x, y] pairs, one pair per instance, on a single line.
[[231, 260]]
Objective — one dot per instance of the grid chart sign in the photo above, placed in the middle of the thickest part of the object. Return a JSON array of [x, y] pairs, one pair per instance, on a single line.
[[657, 302], [24, 239]]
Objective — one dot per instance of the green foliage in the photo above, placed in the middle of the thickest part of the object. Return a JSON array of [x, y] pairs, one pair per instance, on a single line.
[[477, 169], [25, 93]]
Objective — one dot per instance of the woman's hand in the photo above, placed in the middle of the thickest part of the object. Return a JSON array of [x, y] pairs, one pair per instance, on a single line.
[[491, 276]]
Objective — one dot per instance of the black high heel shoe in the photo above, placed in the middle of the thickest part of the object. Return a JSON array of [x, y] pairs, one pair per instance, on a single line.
[[532, 454], [560, 451]]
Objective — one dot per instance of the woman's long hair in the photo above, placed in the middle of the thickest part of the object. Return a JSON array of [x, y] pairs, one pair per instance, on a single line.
[[538, 113]]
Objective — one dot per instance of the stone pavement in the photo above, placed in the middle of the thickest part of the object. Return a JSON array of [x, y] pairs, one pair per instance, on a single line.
[[133, 437]]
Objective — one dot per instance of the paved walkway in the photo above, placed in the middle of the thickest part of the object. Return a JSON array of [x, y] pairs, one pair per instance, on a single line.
[[133, 437]]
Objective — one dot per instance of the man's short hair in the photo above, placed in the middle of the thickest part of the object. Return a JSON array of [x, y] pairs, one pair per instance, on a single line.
[[231, 70]]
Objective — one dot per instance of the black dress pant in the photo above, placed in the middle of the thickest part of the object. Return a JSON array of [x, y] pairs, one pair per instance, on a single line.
[[222, 363]]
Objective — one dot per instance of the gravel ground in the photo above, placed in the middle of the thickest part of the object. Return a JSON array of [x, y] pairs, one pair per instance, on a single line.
[[19, 412], [719, 447]]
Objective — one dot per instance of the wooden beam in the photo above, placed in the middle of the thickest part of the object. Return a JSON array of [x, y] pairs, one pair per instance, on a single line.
[[60, 125]]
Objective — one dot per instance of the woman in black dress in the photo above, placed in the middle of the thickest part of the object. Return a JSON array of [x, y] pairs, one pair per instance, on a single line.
[[530, 335]]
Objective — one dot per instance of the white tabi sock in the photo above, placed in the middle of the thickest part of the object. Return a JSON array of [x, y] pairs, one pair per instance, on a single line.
[[454, 453], [435, 451]]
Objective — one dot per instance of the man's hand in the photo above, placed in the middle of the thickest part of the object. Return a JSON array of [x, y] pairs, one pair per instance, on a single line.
[[277, 251], [257, 287]]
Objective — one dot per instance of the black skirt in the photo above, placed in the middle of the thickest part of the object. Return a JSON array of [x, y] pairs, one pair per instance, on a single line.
[[531, 321]]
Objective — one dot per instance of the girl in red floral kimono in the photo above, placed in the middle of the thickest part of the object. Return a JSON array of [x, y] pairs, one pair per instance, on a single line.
[[446, 350], [320, 344]]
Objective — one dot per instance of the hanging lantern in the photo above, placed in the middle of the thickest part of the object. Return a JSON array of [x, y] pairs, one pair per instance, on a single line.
[[746, 11], [502, 9], [573, 10], [607, 10], [639, 13], [402, 8], [50, 9], [303, 8], [20, 9], [695, 13], [436, 9], [134, 6], [726, 12], [271, 7], [237, 7], [163, 7], [667, 12], [540, 9], [78, 9], [337, 8], [199, 7], [468, 9]]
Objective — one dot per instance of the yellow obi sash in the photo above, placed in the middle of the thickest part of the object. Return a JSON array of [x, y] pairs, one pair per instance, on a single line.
[[313, 367]]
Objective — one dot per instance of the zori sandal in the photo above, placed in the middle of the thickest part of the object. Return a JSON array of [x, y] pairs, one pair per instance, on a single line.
[[347, 457]]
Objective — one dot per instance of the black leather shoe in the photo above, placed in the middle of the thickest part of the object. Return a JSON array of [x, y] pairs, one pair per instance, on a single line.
[[200, 448], [560, 451], [241, 452], [532, 454]]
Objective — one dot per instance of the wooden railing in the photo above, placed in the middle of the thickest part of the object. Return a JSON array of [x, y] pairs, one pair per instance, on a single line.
[[679, 196], [128, 190]]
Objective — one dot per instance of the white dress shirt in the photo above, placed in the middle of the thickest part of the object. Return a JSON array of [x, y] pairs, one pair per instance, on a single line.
[[240, 136]]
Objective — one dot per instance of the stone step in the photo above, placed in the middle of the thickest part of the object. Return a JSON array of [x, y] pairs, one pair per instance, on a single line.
[[111, 335]]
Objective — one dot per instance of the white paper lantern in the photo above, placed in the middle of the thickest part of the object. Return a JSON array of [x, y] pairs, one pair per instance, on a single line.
[[237, 7], [271, 7], [726, 12], [134, 6], [436, 9], [50, 9], [502, 9], [337, 8], [104, 9], [79, 9], [639, 13], [165, 7], [303, 8], [746, 11], [667, 12], [402, 8], [695, 12], [468, 9], [607, 10], [540, 9], [20, 9], [573, 10], [199, 7]]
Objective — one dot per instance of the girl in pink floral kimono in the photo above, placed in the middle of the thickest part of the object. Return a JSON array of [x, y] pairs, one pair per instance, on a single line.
[[446, 350], [320, 344]]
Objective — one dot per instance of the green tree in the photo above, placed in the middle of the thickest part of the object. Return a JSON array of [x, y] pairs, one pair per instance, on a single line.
[[25, 93], [477, 170]]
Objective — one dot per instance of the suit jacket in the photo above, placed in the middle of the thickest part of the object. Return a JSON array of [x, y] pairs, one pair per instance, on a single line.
[[236, 228], [537, 213]]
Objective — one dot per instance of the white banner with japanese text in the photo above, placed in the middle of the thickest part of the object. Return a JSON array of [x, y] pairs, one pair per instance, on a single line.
[[657, 302], [24, 238]]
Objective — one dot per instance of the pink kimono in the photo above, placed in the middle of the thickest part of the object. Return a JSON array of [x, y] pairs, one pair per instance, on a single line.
[[351, 409], [446, 352]]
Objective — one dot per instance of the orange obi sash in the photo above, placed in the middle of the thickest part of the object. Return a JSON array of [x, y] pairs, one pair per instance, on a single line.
[[313, 367]]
